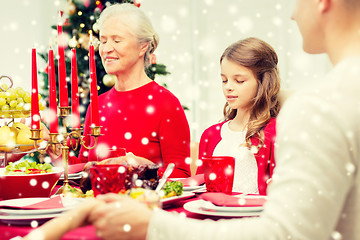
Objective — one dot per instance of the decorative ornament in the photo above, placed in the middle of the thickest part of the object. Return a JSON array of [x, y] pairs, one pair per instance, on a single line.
[[46, 70], [97, 11], [137, 3], [66, 22], [70, 8], [84, 41], [86, 3], [83, 92], [109, 80], [99, 5]]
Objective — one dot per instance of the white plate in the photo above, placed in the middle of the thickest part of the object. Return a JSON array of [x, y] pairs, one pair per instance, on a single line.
[[197, 206], [208, 206], [27, 219], [20, 202], [169, 200], [193, 188]]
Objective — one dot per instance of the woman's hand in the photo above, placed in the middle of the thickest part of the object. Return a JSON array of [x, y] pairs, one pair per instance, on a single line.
[[57, 227], [120, 218]]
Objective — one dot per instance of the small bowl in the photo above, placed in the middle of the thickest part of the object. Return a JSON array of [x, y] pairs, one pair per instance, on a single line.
[[30, 185]]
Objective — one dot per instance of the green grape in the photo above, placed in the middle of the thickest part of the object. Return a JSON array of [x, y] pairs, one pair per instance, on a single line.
[[20, 100], [11, 90], [20, 106], [39, 96], [27, 106], [3, 94], [13, 103], [41, 107], [11, 97], [27, 98], [5, 108], [5, 87], [21, 93], [2, 101]]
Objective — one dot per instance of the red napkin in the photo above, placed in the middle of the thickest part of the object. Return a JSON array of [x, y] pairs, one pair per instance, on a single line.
[[74, 168], [50, 203], [224, 200], [196, 180]]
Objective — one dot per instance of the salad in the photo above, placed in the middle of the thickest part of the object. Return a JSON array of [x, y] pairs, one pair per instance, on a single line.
[[27, 167], [171, 189]]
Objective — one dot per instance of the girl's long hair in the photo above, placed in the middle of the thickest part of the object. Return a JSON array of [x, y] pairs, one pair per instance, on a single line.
[[261, 59]]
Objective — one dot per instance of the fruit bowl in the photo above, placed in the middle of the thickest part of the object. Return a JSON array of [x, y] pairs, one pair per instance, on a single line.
[[15, 113], [17, 148], [29, 185], [16, 138]]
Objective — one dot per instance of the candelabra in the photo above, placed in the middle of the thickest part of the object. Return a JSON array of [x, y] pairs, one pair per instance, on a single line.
[[74, 134]]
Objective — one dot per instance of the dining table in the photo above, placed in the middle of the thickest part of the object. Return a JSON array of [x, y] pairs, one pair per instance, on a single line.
[[9, 231], [88, 232]]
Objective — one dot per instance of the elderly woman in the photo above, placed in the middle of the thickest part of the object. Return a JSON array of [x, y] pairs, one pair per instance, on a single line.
[[136, 114]]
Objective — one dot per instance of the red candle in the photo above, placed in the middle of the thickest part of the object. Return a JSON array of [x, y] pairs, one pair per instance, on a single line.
[[63, 91], [74, 92], [95, 119], [54, 125], [35, 115]]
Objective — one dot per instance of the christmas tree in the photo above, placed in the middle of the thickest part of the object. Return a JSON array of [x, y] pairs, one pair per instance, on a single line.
[[79, 17]]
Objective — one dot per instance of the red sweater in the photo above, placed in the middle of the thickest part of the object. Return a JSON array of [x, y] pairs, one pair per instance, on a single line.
[[264, 158], [148, 121]]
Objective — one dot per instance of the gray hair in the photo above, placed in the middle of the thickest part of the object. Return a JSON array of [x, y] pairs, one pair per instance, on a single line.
[[139, 23]]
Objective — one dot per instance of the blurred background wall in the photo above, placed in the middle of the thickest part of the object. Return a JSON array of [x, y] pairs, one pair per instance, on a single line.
[[193, 35]]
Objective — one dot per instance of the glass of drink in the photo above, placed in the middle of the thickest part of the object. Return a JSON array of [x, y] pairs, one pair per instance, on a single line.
[[107, 178], [219, 173]]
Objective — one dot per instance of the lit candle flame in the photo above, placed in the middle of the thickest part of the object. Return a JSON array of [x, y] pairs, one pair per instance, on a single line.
[[59, 19], [91, 37], [72, 42]]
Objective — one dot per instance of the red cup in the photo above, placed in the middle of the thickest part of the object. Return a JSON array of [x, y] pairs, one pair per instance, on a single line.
[[107, 178], [219, 173], [110, 153]]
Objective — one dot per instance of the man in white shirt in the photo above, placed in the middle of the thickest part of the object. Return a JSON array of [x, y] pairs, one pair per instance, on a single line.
[[315, 192]]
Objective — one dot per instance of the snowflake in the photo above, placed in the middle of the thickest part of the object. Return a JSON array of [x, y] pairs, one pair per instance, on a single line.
[[128, 135], [150, 109], [145, 141], [33, 182], [45, 185]]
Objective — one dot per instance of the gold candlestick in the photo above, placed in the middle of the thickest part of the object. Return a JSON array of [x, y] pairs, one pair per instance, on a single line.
[[74, 134]]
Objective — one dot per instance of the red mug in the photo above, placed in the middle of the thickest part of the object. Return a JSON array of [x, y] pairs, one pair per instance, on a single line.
[[107, 178], [219, 173]]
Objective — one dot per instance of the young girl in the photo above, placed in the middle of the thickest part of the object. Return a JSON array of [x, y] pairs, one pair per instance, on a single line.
[[250, 83]]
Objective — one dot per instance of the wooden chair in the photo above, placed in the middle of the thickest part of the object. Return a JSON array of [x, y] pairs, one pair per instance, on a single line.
[[194, 154]]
